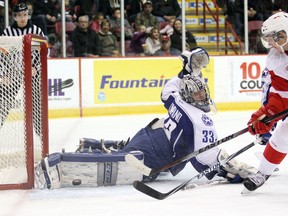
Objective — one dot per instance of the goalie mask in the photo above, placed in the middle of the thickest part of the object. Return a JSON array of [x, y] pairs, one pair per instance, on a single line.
[[274, 30], [194, 91], [195, 60]]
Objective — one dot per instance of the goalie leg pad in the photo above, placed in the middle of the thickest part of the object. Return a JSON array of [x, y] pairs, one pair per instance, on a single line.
[[235, 170], [86, 169], [47, 172], [98, 169]]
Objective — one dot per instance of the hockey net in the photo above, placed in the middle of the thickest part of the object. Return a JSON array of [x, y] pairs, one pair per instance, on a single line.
[[23, 109]]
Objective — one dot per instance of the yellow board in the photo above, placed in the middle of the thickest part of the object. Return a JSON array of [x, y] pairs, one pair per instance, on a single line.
[[137, 81], [132, 81]]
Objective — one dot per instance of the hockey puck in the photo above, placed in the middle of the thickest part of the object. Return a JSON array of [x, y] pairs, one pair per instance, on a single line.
[[76, 182]]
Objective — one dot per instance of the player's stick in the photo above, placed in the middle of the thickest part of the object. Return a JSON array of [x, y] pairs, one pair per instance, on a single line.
[[65, 84], [142, 187], [205, 183], [147, 171]]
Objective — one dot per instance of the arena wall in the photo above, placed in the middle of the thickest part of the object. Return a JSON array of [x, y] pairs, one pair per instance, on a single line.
[[117, 86]]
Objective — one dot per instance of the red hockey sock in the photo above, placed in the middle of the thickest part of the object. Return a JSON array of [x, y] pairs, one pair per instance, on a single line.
[[272, 155]]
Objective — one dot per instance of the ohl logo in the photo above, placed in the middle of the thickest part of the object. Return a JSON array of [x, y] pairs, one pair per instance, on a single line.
[[56, 86]]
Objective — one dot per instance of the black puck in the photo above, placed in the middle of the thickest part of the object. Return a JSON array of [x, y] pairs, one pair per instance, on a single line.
[[76, 182]]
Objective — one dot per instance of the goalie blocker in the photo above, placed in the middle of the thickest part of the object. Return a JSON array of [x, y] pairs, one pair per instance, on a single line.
[[86, 169]]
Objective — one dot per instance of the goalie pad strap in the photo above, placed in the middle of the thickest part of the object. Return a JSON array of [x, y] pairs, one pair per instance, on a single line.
[[107, 173]]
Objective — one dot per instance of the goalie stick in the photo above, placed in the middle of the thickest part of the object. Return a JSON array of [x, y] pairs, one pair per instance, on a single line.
[[142, 187], [147, 171]]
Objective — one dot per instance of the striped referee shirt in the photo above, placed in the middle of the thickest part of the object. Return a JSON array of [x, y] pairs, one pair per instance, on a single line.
[[14, 30]]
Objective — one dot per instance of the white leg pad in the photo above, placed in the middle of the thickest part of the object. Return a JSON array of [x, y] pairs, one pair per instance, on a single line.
[[47, 173], [95, 169]]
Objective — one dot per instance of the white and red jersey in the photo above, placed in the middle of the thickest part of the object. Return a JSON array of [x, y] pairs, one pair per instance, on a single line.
[[276, 82], [275, 100]]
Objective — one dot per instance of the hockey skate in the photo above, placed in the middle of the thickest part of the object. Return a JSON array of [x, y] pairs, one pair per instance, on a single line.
[[255, 181]]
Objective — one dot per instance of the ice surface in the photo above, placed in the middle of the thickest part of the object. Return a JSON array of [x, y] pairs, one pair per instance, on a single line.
[[219, 199]]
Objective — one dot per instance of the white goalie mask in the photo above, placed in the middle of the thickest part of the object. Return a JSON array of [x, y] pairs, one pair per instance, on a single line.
[[194, 91], [273, 29], [195, 60]]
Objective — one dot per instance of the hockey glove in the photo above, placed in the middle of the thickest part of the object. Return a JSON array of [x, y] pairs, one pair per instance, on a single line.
[[256, 126], [234, 171]]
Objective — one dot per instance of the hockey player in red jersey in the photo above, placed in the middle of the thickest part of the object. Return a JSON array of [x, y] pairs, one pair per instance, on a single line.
[[274, 37]]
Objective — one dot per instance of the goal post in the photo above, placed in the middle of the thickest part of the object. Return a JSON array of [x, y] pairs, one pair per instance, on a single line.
[[23, 109]]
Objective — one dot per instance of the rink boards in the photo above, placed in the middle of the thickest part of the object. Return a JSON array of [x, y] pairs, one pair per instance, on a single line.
[[80, 87]]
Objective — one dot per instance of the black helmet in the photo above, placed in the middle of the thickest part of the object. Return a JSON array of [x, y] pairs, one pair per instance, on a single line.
[[20, 7]]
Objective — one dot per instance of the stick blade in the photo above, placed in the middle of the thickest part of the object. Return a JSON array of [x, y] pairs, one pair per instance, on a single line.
[[140, 186]]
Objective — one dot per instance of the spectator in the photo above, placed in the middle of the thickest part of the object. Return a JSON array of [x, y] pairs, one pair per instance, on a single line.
[[96, 22], [109, 45], [1, 16], [85, 41], [106, 6], [229, 9], [138, 39], [280, 5], [168, 29], [255, 12], [152, 43], [146, 17], [176, 37], [133, 7], [46, 11], [69, 11], [166, 10], [274, 6], [87, 7], [166, 49], [115, 22]]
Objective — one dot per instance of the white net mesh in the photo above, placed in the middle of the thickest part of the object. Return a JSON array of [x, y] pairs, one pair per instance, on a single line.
[[13, 119]]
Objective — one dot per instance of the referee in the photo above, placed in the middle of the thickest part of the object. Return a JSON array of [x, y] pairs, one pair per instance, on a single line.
[[9, 89], [22, 24]]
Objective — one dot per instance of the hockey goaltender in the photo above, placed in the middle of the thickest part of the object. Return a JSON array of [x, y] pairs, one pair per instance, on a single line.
[[185, 129]]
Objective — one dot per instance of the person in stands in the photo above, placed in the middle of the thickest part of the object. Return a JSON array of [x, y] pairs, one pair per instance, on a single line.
[[176, 37], [109, 45], [166, 49], [85, 41], [152, 43]]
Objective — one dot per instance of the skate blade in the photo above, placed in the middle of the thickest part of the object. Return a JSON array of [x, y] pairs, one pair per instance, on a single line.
[[245, 191]]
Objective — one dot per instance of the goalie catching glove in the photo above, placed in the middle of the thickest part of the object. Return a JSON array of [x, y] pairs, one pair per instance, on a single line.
[[194, 60], [234, 171]]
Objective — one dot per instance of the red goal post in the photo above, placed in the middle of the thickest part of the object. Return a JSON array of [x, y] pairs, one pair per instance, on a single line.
[[23, 109]]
